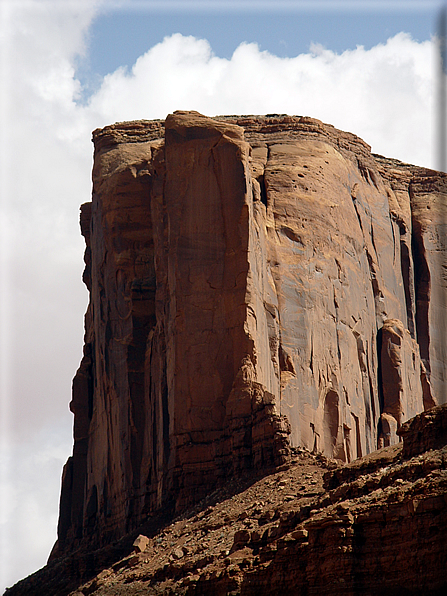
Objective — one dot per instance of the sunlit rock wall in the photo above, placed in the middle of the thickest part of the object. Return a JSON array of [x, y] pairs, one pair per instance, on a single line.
[[255, 283]]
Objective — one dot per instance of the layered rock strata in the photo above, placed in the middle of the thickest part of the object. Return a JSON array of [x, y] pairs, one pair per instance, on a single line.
[[374, 526], [255, 283]]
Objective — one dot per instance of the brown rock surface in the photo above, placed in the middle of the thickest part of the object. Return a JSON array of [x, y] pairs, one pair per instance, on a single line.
[[374, 526], [405, 388], [256, 284], [259, 286], [421, 226], [424, 432]]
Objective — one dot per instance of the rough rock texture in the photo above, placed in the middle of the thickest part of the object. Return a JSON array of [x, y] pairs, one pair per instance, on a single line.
[[372, 527], [256, 284], [424, 432], [405, 388]]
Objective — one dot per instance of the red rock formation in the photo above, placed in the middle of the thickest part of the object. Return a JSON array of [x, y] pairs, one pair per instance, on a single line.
[[425, 432], [405, 388], [250, 281], [374, 526]]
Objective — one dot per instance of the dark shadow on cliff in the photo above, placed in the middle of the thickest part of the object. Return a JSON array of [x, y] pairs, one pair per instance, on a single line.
[[62, 576]]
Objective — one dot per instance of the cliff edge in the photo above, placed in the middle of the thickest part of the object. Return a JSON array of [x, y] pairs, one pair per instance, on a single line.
[[256, 284], [266, 325]]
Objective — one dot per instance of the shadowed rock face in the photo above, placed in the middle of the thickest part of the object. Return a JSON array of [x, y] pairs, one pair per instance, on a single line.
[[255, 283]]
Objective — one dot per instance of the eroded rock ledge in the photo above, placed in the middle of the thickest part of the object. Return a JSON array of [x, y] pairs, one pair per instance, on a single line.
[[256, 284], [375, 526]]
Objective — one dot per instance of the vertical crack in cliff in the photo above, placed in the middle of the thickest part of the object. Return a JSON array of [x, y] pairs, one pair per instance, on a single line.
[[311, 358], [362, 353], [373, 241], [379, 368], [408, 275], [422, 292], [337, 322], [392, 220], [372, 261], [354, 202], [372, 395], [142, 295], [367, 387], [261, 181]]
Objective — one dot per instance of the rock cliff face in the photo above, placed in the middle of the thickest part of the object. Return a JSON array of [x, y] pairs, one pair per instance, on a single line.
[[375, 526], [256, 284]]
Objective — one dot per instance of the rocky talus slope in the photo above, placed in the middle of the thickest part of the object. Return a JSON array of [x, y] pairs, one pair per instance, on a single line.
[[377, 526]]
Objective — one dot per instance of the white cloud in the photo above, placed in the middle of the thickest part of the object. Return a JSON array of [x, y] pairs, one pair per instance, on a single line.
[[45, 161], [28, 516], [385, 95]]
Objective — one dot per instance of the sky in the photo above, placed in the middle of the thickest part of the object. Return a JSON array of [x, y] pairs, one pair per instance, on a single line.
[[68, 67]]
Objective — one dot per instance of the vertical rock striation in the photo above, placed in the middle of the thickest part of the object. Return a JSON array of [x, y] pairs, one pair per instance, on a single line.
[[255, 283]]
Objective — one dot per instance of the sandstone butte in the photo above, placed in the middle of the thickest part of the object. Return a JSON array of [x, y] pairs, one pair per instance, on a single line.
[[260, 287]]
